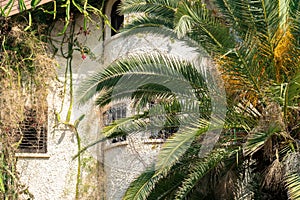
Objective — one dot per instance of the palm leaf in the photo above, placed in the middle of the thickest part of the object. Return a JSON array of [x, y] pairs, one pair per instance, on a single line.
[[147, 22], [263, 16], [138, 70], [142, 186], [292, 97], [268, 22], [287, 94], [173, 149], [256, 140], [194, 20], [199, 170], [152, 7], [166, 187], [293, 186]]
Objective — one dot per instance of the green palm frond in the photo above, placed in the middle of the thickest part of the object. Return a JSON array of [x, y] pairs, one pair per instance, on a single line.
[[243, 117], [147, 22], [199, 170], [194, 20], [267, 15], [151, 13], [142, 186], [141, 96], [292, 95], [255, 44], [173, 149], [120, 127], [165, 188], [176, 146], [293, 6], [187, 17], [293, 186], [264, 16], [138, 70], [151, 7], [288, 96], [150, 92], [244, 64], [256, 140], [152, 185], [295, 18], [269, 23]]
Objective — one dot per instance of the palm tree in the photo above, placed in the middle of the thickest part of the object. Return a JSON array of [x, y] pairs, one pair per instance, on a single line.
[[255, 45]]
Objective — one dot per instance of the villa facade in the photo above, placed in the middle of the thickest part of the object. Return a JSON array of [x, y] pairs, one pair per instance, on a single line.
[[49, 169]]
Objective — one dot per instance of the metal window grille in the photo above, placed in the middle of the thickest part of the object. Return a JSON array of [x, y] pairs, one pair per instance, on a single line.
[[114, 113], [163, 133], [33, 135]]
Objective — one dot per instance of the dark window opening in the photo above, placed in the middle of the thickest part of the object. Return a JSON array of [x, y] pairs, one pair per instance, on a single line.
[[116, 19], [115, 113], [169, 128], [119, 139], [165, 133], [32, 134]]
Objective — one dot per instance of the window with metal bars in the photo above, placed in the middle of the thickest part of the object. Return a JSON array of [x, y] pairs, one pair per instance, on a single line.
[[114, 113], [32, 134], [167, 131]]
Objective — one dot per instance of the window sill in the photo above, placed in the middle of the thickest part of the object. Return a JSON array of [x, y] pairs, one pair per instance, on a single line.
[[117, 144], [154, 141], [32, 155]]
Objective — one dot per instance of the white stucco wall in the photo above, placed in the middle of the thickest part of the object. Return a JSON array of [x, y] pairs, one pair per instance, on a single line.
[[54, 176], [125, 161]]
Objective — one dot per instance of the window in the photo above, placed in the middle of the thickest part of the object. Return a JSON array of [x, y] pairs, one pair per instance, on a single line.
[[169, 127], [114, 113], [115, 17], [164, 133], [116, 20], [32, 134]]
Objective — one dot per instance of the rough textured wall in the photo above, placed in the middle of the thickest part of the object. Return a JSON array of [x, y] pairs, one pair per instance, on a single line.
[[124, 161], [53, 175]]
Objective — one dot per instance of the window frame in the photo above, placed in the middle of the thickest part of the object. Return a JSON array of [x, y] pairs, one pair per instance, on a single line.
[[108, 12], [111, 114], [26, 132]]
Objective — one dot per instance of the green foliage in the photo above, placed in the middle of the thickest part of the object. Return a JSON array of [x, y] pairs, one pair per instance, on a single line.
[[26, 71], [293, 185], [255, 45], [198, 171], [56, 10]]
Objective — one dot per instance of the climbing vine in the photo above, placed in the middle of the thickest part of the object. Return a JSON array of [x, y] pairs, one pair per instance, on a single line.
[[70, 39], [26, 71]]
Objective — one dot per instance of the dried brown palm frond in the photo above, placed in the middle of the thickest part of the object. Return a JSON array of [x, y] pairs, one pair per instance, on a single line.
[[270, 124], [273, 177], [26, 70]]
